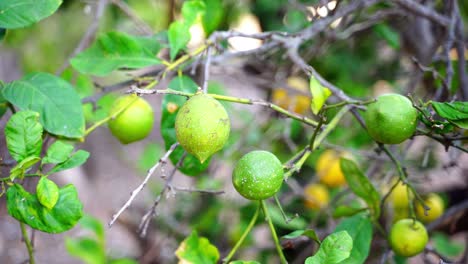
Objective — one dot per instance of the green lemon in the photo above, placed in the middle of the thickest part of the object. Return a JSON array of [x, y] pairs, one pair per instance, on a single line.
[[134, 122], [408, 237], [258, 175], [391, 119], [202, 126]]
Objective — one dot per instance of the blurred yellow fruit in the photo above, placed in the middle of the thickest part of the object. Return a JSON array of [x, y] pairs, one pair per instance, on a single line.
[[316, 196], [436, 205], [329, 170], [401, 196], [290, 100]]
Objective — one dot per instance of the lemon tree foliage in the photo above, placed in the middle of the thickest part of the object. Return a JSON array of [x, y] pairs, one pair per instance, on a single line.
[[117, 50], [333, 250], [24, 135], [195, 249], [22, 13], [56, 101], [359, 228]]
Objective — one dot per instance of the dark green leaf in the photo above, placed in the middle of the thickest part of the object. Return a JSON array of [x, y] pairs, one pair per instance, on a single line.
[[361, 186], [58, 152], [86, 249], [170, 107], [26, 208], [57, 103], [455, 112], [116, 50], [2, 35], [22, 13], [75, 160], [389, 34], [179, 36], [445, 246], [334, 249], [191, 10], [359, 227], [20, 169], [197, 250], [3, 102], [47, 192], [308, 233], [23, 134]]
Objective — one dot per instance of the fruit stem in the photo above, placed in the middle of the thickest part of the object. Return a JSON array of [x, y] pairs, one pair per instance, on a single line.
[[244, 235], [273, 232], [28, 243], [106, 119], [343, 103]]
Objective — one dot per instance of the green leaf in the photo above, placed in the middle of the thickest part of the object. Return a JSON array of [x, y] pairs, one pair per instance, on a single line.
[[308, 233], [22, 13], [3, 102], [361, 186], [57, 103], [191, 10], [179, 36], [455, 112], [344, 210], [86, 249], [58, 152], [75, 160], [47, 192], [197, 250], [26, 208], [359, 227], [213, 16], [170, 107], [278, 220], [389, 34], [93, 224], [445, 246], [319, 93], [116, 50], [334, 249], [2, 35], [23, 134], [20, 169]]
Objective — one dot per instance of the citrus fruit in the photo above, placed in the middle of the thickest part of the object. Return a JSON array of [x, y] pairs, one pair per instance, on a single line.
[[391, 119], [408, 237], [258, 175], [436, 205], [329, 170], [293, 100], [401, 196], [134, 122], [202, 126], [316, 196]]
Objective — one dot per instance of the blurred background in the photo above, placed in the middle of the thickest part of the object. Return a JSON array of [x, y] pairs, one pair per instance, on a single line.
[[363, 54]]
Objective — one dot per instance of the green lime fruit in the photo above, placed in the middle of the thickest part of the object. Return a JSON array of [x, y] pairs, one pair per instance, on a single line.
[[134, 121], [202, 126], [258, 175], [391, 119], [408, 237]]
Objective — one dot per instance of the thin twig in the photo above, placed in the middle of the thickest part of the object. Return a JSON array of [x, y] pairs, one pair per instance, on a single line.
[[194, 190], [135, 192], [140, 24], [27, 242], [424, 11]]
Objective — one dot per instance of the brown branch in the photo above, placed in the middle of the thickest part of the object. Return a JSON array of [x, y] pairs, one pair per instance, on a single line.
[[421, 10]]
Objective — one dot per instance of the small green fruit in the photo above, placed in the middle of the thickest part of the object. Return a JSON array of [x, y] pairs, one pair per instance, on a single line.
[[391, 119], [408, 237], [258, 175], [135, 122], [202, 126]]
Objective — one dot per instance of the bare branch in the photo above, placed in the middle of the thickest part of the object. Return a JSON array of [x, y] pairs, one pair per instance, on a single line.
[[194, 190], [140, 24], [135, 192], [424, 11]]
